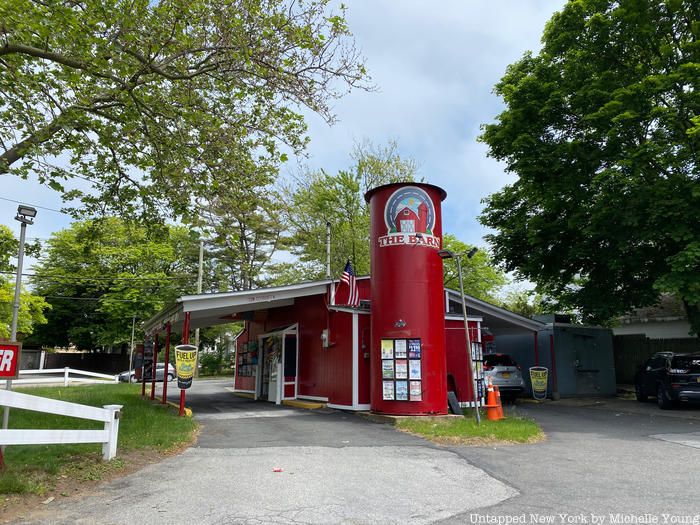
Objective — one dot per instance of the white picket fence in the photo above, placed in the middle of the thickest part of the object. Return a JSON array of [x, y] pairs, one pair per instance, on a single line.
[[109, 414], [67, 376]]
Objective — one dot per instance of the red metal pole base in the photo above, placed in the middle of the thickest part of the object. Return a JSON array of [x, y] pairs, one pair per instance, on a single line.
[[182, 402]]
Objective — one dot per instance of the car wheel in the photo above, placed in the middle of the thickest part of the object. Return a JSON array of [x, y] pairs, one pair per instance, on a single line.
[[662, 398], [640, 394], [170, 377], [132, 379]]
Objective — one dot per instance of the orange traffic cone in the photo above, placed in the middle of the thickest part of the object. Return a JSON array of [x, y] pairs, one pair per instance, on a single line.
[[498, 402], [491, 404]]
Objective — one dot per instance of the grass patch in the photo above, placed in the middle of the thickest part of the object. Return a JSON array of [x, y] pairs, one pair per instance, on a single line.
[[143, 426], [465, 431]]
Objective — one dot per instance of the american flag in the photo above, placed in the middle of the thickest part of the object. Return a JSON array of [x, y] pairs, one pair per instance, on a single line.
[[348, 278]]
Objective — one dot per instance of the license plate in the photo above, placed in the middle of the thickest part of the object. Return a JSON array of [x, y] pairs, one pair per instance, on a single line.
[[507, 375], [698, 379]]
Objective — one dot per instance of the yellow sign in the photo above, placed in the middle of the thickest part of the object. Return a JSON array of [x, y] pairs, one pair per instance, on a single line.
[[538, 378], [185, 363]]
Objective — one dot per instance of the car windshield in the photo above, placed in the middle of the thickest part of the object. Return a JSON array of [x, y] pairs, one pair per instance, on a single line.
[[498, 360], [687, 362]]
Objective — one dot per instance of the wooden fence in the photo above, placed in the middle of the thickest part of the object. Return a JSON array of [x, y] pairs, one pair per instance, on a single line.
[[630, 351], [109, 415]]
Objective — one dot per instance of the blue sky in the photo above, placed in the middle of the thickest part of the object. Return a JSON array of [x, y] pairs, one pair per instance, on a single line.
[[434, 64]]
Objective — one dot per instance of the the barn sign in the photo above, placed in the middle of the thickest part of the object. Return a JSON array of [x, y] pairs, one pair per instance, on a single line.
[[409, 216], [10, 360]]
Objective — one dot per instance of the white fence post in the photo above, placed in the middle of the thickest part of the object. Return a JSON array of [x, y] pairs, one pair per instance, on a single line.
[[65, 376], [109, 448]]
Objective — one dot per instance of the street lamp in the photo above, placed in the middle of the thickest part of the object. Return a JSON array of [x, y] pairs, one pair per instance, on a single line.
[[25, 215], [447, 254]]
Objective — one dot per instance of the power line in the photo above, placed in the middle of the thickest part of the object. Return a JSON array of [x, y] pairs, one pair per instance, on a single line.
[[35, 205], [91, 299], [70, 277]]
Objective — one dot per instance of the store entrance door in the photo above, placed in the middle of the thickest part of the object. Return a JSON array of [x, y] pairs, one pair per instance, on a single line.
[[277, 373]]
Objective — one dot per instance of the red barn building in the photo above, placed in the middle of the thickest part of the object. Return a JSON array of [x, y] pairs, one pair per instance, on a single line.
[[323, 350], [398, 352]]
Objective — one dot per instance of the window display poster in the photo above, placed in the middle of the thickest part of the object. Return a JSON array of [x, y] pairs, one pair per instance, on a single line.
[[477, 353], [388, 390], [416, 391], [401, 369], [414, 348], [402, 390], [400, 348], [387, 349], [388, 369], [414, 369]]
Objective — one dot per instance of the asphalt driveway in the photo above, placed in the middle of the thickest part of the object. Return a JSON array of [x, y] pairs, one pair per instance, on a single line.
[[612, 458], [599, 458]]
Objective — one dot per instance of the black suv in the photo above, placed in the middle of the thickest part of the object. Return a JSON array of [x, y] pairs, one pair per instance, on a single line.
[[670, 377]]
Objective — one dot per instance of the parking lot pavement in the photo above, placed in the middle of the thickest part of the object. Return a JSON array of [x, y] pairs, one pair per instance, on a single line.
[[333, 467], [598, 458]]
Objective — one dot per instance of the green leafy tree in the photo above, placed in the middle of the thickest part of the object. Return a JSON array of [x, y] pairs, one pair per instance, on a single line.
[[31, 306], [527, 303], [320, 197], [141, 98], [482, 279], [99, 274], [602, 128], [245, 230]]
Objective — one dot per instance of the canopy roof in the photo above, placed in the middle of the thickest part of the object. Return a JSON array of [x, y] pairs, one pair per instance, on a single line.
[[211, 309]]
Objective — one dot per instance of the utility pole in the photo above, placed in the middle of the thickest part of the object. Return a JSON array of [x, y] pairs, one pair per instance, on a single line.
[[328, 260], [447, 254], [131, 354], [199, 291], [25, 215]]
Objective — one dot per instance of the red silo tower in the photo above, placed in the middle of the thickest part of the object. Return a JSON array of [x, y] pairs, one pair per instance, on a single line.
[[408, 371]]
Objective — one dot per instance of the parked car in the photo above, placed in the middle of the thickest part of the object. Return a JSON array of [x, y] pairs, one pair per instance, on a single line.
[[669, 376], [505, 373], [129, 376]]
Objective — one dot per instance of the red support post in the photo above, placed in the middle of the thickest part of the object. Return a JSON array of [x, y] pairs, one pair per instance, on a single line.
[[185, 341], [143, 371], [537, 352], [155, 367], [167, 364]]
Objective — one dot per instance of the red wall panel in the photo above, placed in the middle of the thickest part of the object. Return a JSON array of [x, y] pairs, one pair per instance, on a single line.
[[458, 364]]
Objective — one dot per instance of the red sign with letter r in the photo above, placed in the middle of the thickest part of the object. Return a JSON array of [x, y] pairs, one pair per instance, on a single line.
[[9, 360]]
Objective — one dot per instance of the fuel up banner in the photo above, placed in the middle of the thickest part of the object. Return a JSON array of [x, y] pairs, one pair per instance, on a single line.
[[185, 361]]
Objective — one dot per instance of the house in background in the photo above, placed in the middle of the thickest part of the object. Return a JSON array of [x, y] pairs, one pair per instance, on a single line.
[[666, 320], [644, 331]]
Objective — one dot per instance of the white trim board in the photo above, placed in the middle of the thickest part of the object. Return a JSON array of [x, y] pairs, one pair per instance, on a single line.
[[357, 408], [313, 398]]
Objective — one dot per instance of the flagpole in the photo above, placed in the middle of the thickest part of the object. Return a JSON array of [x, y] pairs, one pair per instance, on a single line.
[[328, 261]]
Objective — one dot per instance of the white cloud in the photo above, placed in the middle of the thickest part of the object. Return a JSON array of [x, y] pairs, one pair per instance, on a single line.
[[435, 64]]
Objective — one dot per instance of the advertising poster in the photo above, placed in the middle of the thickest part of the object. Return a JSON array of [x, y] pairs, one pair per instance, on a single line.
[[147, 374], [416, 391], [388, 369], [388, 390], [400, 348], [185, 362], [387, 349], [414, 369], [402, 390], [414, 348], [401, 369]]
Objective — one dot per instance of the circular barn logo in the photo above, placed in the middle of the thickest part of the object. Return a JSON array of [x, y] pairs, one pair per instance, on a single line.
[[409, 215]]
